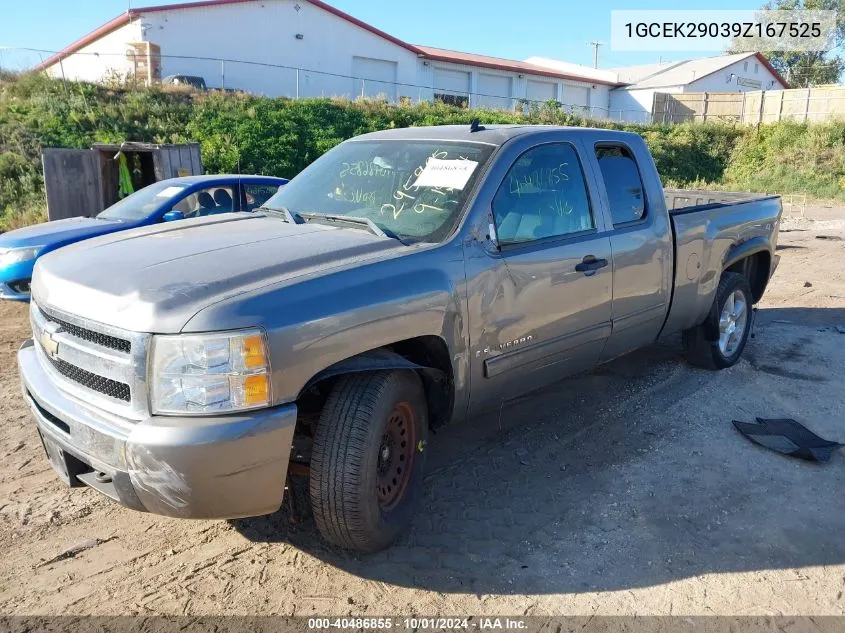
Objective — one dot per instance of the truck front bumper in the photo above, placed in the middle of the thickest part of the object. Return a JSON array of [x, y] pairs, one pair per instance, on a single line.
[[219, 467]]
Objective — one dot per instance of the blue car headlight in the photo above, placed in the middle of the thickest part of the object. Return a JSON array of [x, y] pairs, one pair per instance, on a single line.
[[11, 256]]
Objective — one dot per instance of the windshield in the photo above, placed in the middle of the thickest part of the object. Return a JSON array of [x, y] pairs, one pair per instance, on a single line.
[[143, 202], [415, 190]]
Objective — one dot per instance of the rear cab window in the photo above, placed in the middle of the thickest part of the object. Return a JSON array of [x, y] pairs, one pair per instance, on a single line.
[[623, 183]]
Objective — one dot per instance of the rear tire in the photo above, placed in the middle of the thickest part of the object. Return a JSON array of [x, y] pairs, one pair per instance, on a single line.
[[719, 341], [368, 459]]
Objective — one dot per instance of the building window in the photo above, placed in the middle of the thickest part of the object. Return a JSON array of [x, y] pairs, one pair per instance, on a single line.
[[462, 101], [745, 67], [756, 68]]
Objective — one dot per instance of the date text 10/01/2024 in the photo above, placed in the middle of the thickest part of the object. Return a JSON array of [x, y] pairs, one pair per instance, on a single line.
[[415, 624]]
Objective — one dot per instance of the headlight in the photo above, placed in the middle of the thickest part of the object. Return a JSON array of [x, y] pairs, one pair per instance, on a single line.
[[17, 255], [209, 373]]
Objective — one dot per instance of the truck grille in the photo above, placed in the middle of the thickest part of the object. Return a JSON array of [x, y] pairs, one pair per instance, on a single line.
[[112, 342], [100, 384], [98, 363]]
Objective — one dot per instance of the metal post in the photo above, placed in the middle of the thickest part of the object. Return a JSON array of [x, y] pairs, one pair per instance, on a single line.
[[64, 79], [134, 69], [222, 74], [807, 106], [297, 83], [362, 88]]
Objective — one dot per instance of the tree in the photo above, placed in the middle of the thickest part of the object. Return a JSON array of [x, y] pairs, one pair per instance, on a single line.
[[802, 69]]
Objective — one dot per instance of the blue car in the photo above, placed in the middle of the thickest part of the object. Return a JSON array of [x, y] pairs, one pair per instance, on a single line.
[[163, 201]]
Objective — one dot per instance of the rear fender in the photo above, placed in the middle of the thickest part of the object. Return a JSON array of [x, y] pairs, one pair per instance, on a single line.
[[746, 249]]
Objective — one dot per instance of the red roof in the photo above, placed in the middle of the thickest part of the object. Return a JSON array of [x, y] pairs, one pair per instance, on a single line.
[[485, 61], [427, 52], [771, 69]]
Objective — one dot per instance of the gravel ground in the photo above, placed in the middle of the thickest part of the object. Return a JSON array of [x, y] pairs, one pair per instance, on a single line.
[[625, 491]]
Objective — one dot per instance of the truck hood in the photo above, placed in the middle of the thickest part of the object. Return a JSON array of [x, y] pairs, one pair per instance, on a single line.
[[154, 279], [59, 232]]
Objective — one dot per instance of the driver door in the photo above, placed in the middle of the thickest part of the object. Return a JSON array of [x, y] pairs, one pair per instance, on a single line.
[[543, 305]]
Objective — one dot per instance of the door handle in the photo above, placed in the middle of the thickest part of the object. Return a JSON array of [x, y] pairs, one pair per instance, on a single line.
[[589, 265]]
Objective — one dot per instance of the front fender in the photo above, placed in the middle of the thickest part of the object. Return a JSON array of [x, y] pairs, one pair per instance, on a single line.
[[315, 323], [374, 360]]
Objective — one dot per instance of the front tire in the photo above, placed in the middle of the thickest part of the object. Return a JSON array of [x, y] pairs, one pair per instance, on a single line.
[[719, 341], [368, 459]]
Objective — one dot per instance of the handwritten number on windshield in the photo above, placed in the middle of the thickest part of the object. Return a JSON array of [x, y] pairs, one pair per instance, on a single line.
[[401, 195]]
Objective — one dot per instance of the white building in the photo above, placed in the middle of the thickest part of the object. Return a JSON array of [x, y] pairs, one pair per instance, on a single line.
[[308, 48], [726, 73]]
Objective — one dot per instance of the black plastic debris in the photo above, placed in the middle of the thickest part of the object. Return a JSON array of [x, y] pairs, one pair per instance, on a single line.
[[788, 437]]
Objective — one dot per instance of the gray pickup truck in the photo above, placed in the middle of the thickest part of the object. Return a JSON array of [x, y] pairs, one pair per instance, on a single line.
[[405, 279]]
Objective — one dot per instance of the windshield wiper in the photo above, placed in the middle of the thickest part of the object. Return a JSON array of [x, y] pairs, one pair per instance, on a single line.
[[350, 220], [290, 216]]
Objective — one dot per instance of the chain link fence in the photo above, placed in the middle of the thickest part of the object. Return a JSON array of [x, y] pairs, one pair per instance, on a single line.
[[140, 68]]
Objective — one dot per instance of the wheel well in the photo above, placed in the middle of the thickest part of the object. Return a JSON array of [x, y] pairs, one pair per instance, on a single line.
[[432, 351], [755, 268], [426, 351]]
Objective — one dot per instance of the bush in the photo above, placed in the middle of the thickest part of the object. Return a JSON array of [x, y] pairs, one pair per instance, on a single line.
[[281, 136]]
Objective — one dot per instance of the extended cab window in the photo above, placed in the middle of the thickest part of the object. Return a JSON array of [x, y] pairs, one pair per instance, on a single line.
[[622, 182], [544, 195]]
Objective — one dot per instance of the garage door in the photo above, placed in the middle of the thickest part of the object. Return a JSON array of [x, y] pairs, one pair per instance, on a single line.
[[541, 90], [451, 86], [578, 98], [494, 91], [373, 77]]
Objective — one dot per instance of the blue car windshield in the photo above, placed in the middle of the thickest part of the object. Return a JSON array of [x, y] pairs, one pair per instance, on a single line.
[[144, 201], [415, 189]]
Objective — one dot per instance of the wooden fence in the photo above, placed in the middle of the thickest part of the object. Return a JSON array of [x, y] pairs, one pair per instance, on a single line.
[[751, 108]]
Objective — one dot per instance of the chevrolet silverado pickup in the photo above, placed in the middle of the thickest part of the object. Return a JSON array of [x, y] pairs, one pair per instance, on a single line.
[[406, 278]]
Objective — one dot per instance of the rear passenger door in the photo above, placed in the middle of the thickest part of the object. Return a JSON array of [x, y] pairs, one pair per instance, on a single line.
[[549, 313], [641, 241]]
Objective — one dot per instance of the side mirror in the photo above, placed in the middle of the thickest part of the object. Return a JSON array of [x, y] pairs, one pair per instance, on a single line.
[[171, 216]]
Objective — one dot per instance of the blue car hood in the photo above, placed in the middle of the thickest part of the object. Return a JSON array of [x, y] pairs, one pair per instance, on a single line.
[[60, 232]]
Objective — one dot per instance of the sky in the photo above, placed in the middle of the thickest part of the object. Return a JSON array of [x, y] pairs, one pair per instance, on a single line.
[[513, 29]]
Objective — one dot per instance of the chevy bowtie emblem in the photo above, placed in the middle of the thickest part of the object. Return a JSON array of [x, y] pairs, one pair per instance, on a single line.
[[50, 345]]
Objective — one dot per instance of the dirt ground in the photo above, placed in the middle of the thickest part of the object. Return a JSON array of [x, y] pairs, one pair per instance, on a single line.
[[626, 491]]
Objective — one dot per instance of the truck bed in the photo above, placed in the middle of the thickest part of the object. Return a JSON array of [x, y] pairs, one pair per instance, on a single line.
[[707, 235], [680, 201]]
